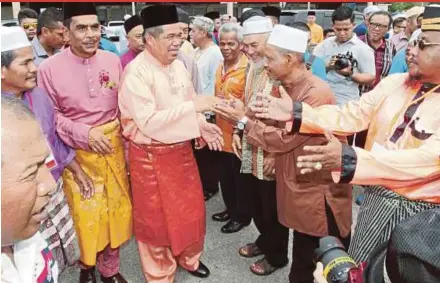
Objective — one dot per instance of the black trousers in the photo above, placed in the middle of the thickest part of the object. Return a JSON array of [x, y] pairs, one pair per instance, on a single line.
[[303, 255], [208, 168], [235, 195], [274, 237]]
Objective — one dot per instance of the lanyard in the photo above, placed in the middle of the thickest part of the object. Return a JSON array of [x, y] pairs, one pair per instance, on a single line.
[[394, 120]]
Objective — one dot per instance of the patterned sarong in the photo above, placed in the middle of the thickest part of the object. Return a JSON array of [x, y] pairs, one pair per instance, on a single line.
[[106, 218], [168, 204], [379, 214], [58, 230]]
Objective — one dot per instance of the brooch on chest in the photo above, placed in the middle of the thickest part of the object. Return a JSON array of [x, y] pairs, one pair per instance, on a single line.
[[104, 80]]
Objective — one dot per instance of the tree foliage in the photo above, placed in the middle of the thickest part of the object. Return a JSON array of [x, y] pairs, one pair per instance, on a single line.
[[401, 6]]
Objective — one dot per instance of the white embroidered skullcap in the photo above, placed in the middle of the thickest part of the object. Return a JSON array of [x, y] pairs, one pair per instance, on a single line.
[[288, 38], [13, 38], [257, 24], [126, 17], [370, 10]]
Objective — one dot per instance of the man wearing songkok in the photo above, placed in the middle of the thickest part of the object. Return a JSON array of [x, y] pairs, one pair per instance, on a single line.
[[161, 114], [184, 22], [19, 80], [50, 34], [215, 17], [86, 109], [134, 30], [230, 83], [315, 29], [313, 207], [27, 19], [401, 155], [273, 13], [26, 188], [258, 181]]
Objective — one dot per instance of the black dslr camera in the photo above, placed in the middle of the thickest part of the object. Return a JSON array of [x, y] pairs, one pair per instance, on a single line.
[[337, 263], [344, 60]]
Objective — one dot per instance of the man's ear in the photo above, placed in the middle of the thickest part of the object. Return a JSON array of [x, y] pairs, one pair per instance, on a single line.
[[4, 72]]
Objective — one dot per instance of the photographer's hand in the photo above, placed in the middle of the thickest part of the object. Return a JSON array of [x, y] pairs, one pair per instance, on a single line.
[[318, 274], [331, 64], [346, 72]]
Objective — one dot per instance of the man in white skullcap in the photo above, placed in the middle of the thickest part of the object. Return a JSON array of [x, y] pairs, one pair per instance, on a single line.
[[312, 206], [362, 28], [27, 184], [257, 166]]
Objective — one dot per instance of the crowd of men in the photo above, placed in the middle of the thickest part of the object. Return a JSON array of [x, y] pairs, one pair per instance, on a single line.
[[283, 119]]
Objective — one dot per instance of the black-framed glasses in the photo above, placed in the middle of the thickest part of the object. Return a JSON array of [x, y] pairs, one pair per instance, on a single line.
[[422, 44], [378, 26]]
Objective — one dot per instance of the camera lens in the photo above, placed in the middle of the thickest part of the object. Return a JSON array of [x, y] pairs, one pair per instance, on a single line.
[[337, 263]]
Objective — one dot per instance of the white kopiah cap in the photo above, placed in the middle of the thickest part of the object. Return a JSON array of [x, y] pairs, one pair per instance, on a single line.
[[289, 38], [13, 38], [257, 24]]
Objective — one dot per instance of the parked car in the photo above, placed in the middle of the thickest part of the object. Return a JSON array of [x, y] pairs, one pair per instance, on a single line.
[[323, 17], [10, 23], [113, 28]]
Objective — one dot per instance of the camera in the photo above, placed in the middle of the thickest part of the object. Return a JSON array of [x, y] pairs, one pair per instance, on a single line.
[[210, 117], [345, 60], [337, 263]]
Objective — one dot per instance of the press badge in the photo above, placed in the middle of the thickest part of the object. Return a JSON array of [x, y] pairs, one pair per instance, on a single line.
[[50, 161]]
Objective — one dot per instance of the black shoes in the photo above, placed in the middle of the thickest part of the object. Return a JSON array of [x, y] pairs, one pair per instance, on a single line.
[[221, 216], [87, 275], [118, 278], [201, 272], [233, 227]]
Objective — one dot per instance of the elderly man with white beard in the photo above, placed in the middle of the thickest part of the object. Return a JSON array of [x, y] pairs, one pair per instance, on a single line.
[[257, 164], [312, 206]]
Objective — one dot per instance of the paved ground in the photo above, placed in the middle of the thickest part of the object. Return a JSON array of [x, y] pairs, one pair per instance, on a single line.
[[220, 255]]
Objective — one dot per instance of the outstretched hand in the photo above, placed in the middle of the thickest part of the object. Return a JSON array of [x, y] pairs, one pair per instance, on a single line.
[[322, 157], [212, 135], [269, 107]]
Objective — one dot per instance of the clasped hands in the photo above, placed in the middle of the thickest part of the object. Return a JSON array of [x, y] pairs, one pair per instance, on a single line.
[[322, 157]]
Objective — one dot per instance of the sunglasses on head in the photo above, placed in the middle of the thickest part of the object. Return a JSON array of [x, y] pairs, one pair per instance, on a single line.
[[28, 26], [422, 44]]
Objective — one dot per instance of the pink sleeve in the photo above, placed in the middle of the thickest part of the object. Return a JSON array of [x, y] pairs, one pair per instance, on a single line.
[[74, 134]]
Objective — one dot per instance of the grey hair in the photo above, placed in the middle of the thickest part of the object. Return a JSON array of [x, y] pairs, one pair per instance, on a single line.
[[205, 24], [232, 27], [153, 31], [7, 58]]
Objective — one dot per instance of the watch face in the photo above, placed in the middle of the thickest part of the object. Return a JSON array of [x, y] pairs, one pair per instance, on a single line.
[[240, 126]]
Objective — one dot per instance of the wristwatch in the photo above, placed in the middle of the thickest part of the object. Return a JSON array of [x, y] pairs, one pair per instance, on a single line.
[[241, 124]]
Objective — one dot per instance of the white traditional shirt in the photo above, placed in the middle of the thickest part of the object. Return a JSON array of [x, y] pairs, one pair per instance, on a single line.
[[33, 263]]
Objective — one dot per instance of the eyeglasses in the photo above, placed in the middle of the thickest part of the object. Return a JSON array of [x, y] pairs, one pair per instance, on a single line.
[[28, 26], [378, 26], [422, 44]]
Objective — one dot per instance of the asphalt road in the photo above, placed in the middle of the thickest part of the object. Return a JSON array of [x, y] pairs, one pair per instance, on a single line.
[[220, 255]]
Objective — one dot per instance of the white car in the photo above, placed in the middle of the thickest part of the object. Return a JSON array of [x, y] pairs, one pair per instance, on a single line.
[[113, 28]]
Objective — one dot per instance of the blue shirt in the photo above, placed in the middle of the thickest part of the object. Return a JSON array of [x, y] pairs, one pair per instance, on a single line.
[[107, 45], [318, 66], [399, 63], [360, 29]]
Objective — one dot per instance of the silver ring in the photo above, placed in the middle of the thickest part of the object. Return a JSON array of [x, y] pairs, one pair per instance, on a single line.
[[318, 166]]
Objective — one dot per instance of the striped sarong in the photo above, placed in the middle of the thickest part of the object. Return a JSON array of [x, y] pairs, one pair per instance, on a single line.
[[379, 214], [58, 229]]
